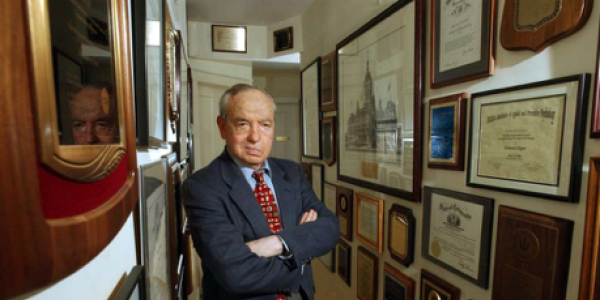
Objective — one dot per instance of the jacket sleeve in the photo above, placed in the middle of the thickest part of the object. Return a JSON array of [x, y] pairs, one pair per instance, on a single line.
[[222, 249]]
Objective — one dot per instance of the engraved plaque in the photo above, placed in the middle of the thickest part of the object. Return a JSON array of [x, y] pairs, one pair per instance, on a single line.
[[344, 211]]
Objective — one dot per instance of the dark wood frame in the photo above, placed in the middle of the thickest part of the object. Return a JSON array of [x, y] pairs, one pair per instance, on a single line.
[[485, 243], [307, 170], [212, 33], [322, 171], [374, 281], [378, 246], [409, 283], [347, 213], [419, 89], [329, 157], [134, 279], [479, 69], [578, 130], [410, 234], [439, 285], [173, 220], [595, 126], [347, 276], [457, 163], [328, 66], [277, 36], [590, 259], [316, 63]]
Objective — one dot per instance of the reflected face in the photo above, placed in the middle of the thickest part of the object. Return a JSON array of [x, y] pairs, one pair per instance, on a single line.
[[249, 127], [91, 119]]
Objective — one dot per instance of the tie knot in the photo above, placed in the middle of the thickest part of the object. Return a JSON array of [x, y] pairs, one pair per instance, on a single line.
[[258, 176]]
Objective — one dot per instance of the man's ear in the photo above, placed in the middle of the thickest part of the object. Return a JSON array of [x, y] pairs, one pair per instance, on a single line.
[[221, 124]]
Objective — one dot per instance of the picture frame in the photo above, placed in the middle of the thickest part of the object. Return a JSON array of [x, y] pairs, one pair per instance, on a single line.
[[590, 277], [173, 219], [345, 212], [401, 234], [283, 39], [328, 82], [595, 126], [385, 153], [344, 261], [396, 285], [367, 278], [435, 288], [474, 58], [228, 38], [310, 87], [446, 132], [533, 138], [133, 287], [329, 194], [457, 233], [369, 221], [307, 170], [329, 139], [318, 180]]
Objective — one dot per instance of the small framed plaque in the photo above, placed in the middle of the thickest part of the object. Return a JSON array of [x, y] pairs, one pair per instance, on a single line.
[[446, 138], [344, 211], [344, 261], [367, 266], [457, 231], [329, 137], [532, 256], [369, 221], [317, 179], [229, 38], [397, 286], [328, 82], [434, 288], [283, 39], [401, 234]]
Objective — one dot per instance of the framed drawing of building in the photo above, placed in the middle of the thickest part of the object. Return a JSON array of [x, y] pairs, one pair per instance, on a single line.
[[380, 90]]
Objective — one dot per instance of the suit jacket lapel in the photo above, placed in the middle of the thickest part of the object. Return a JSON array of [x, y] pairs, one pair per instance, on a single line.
[[283, 191]]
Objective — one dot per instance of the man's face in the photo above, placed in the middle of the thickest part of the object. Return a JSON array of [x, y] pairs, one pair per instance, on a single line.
[[92, 122], [249, 128]]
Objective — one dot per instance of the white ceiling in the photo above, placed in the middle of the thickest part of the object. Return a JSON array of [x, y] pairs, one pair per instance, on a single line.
[[245, 12]]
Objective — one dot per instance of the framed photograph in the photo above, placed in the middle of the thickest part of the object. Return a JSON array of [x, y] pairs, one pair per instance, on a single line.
[[457, 231], [380, 94], [344, 261], [590, 273], [396, 285], [155, 230], [232, 39], [369, 221], [328, 82], [283, 39], [368, 264], [595, 128], [401, 234], [329, 138], [529, 139], [462, 41], [311, 115], [446, 132], [133, 287], [318, 180], [173, 220], [435, 288], [344, 211]]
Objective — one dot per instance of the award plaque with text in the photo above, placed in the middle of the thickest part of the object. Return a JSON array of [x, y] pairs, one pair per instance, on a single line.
[[401, 234], [532, 256], [369, 221], [344, 211], [344, 261], [446, 138], [367, 267], [396, 285], [434, 288]]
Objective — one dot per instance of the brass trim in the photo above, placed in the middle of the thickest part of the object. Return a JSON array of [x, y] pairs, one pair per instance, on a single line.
[[282, 138]]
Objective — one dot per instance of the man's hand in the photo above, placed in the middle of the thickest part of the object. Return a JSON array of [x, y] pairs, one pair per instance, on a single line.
[[268, 246], [308, 216]]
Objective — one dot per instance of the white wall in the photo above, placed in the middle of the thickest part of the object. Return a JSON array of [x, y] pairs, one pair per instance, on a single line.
[[330, 21]]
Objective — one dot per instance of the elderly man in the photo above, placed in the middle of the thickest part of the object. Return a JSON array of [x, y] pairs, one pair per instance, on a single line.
[[93, 117], [255, 221]]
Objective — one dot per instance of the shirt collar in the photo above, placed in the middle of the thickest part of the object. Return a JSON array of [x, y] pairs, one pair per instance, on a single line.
[[245, 169]]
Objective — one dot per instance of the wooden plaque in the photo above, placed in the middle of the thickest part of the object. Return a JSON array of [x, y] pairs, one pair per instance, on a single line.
[[344, 211], [344, 261], [401, 234], [532, 256], [367, 273], [397, 286], [434, 288], [590, 281]]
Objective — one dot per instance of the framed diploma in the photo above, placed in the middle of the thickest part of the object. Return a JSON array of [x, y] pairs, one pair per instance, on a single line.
[[396, 285], [590, 276], [529, 139], [229, 38], [367, 273], [317, 179], [344, 211], [462, 41], [329, 135], [446, 134], [532, 256], [328, 83], [369, 221], [401, 234], [457, 231], [380, 94], [344, 261], [310, 86], [434, 288]]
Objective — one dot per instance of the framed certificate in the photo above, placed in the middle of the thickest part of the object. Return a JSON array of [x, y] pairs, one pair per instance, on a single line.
[[328, 83], [229, 38], [446, 132], [344, 211], [310, 86], [529, 139], [329, 135], [462, 41], [434, 288], [457, 231], [344, 261], [396, 285], [401, 234], [380, 94], [369, 221], [367, 265], [317, 179]]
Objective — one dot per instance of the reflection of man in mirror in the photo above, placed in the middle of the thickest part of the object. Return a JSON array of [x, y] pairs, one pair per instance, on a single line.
[[94, 116]]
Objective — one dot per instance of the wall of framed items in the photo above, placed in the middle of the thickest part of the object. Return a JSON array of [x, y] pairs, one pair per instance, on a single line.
[[463, 148]]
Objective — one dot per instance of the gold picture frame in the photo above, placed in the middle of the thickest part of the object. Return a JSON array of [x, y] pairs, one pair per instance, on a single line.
[[369, 221]]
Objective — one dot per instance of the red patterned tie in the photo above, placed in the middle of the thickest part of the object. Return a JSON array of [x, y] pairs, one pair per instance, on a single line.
[[266, 200]]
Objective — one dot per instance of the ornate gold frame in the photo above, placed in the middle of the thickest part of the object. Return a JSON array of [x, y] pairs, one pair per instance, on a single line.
[[85, 163]]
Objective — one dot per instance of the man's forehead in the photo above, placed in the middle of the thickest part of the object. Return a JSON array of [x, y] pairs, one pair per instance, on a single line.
[[252, 101]]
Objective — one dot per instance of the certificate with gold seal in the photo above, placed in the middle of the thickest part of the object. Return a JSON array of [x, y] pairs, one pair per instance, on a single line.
[[401, 238]]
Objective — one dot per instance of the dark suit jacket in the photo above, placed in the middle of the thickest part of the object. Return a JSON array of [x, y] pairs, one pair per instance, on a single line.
[[223, 215]]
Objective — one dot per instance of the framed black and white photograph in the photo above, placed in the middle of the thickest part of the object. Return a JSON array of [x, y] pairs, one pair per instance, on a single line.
[[457, 233], [529, 139], [310, 86], [226, 38], [380, 93]]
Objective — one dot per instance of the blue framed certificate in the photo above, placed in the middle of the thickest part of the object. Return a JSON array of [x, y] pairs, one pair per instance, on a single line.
[[446, 132]]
